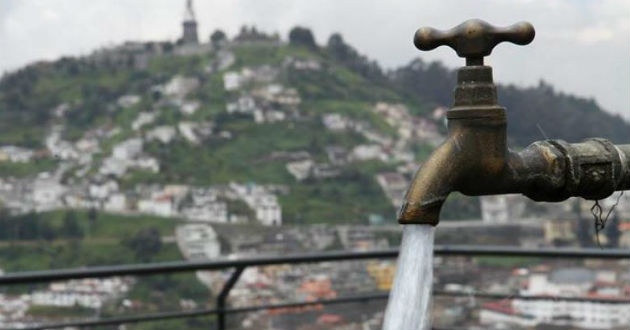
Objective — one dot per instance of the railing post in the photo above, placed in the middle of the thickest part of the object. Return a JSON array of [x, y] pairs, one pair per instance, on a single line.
[[225, 292]]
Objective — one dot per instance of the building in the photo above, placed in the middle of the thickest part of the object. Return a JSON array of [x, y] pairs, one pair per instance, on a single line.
[[198, 241], [566, 282], [364, 152], [190, 25], [47, 194], [502, 208], [179, 86], [264, 204], [127, 149], [210, 212], [163, 134], [300, 169], [394, 185], [91, 293], [161, 206], [15, 154]]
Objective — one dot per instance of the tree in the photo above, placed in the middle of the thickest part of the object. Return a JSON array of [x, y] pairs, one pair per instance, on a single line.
[[344, 53], [71, 227], [92, 217], [300, 36], [146, 243], [338, 49], [217, 38]]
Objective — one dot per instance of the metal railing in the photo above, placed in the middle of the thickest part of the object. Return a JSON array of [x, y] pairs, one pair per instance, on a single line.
[[239, 265]]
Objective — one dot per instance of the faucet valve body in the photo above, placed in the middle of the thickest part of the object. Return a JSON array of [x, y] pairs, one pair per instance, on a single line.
[[475, 159]]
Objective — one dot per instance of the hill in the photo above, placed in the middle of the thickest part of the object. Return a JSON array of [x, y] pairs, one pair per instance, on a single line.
[[321, 128], [530, 110]]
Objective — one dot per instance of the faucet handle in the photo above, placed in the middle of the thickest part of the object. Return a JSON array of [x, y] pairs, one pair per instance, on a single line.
[[474, 38]]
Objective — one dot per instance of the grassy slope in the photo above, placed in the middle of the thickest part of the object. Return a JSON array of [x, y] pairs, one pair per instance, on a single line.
[[103, 245], [332, 89]]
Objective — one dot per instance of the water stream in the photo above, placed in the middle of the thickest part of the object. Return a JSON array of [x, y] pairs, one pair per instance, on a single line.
[[408, 307]]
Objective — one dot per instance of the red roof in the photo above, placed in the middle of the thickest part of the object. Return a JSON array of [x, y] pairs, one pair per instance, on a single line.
[[329, 319], [504, 307]]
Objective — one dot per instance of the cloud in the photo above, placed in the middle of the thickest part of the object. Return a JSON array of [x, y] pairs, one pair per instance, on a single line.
[[581, 46]]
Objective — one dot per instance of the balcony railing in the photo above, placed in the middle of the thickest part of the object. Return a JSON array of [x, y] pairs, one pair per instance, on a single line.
[[220, 310]]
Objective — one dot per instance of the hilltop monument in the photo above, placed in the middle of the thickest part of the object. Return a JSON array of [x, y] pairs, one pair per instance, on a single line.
[[190, 25]]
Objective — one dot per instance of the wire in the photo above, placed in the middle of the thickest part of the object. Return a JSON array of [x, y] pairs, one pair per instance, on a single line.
[[600, 222]]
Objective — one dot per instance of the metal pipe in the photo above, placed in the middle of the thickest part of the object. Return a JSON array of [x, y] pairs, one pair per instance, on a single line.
[[187, 266], [223, 295]]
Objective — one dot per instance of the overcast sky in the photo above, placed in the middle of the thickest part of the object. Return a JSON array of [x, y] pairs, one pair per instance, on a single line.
[[581, 46]]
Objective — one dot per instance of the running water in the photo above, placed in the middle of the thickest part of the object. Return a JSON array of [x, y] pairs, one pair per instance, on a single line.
[[409, 300]]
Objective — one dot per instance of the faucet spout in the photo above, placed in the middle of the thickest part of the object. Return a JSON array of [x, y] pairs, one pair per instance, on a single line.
[[430, 187], [473, 155]]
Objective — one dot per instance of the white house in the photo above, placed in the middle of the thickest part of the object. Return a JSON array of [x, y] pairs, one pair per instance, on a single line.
[[187, 130], [180, 86], [15, 154], [394, 185], [116, 203], [264, 204], [47, 194], [103, 189], [575, 282], [244, 104], [163, 134], [147, 163], [189, 107], [231, 81], [300, 169], [210, 212], [127, 101], [157, 206], [335, 122], [198, 241], [502, 208], [144, 118], [368, 152], [113, 166], [127, 149]]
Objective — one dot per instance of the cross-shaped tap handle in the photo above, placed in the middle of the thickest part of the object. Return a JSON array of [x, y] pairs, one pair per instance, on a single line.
[[474, 38]]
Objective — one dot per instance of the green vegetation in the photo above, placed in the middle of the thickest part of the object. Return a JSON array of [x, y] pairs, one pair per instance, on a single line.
[[96, 239], [58, 312], [341, 200], [92, 224], [348, 83], [460, 207], [508, 263], [62, 239], [529, 109], [165, 291], [196, 323], [261, 54], [166, 66], [21, 170], [246, 156]]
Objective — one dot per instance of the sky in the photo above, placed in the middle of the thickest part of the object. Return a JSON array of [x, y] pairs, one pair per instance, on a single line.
[[581, 47]]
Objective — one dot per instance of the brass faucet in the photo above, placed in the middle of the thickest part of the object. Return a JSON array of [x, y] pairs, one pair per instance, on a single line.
[[475, 159]]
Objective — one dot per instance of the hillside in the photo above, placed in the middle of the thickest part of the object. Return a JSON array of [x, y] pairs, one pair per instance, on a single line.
[[311, 125], [529, 110]]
